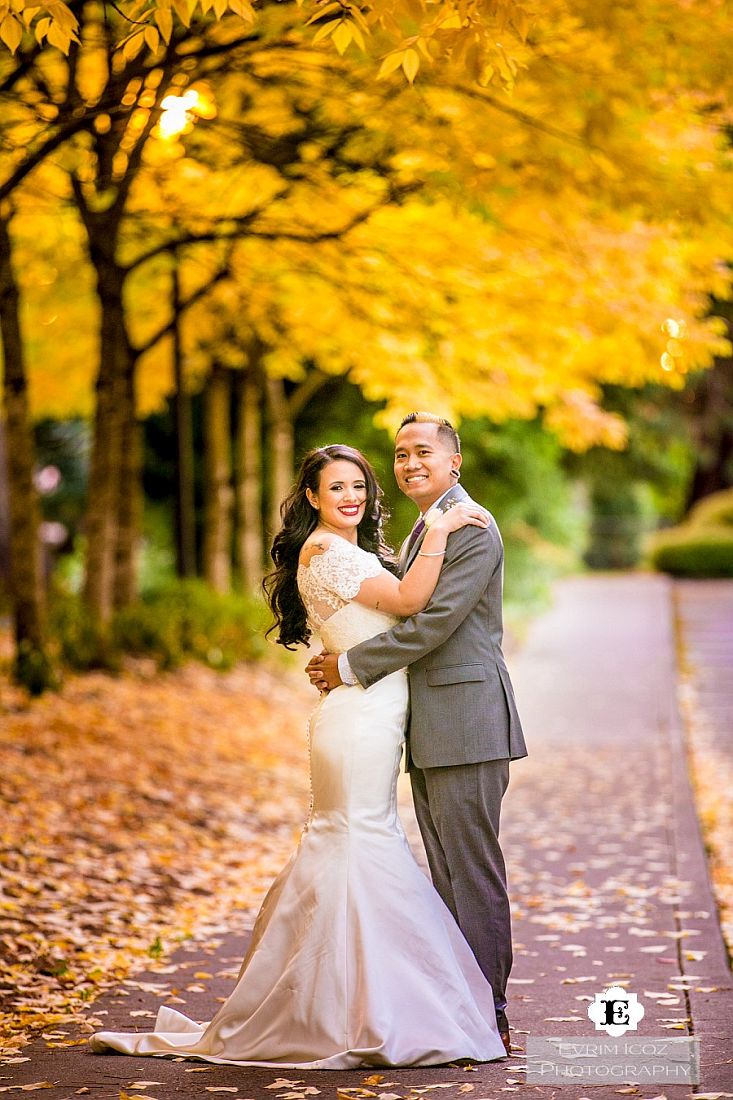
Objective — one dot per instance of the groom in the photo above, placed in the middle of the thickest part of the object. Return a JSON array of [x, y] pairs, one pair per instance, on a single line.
[[464, 727]]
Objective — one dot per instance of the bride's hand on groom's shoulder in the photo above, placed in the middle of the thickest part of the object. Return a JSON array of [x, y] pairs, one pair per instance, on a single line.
[[323, 671], [463, 514]]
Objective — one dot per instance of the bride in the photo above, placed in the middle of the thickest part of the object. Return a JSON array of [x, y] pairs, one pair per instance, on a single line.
[[354, 958]]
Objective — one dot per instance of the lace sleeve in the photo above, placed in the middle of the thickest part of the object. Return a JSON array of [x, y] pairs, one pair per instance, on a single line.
[[342, 567]]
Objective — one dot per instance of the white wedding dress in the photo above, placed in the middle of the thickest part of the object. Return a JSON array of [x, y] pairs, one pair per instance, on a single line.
[[354, 959]]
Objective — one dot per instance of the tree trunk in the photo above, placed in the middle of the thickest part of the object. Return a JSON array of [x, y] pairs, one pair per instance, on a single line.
[[129, 508], [111, 547], [183, 425], [283, 411], [712, 423], [112, 399], [281, 448], [4, 509], [249, 535], [31, 665], [217, 480]]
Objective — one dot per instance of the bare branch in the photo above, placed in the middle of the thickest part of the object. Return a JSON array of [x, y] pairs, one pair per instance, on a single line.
[[25, 61], [243, 228], [136, 154], [137, 22], [301, 395], [40, 153], [211, 236], [166, 329], [519, 115]]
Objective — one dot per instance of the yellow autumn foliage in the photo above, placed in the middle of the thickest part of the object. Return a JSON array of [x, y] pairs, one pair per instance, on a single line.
[[490, 254], [484, 37]]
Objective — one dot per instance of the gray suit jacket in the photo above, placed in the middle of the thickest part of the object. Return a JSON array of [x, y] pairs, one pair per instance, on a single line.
[[462, 707]]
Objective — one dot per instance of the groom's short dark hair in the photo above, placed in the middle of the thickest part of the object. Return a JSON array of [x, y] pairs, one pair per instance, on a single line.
[[445, 429]]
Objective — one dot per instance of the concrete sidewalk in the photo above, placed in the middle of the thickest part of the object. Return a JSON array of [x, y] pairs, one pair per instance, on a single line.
[[607, 876], [608, 869]]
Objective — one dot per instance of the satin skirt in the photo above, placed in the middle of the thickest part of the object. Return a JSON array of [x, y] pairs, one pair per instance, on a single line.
[[354, 958]]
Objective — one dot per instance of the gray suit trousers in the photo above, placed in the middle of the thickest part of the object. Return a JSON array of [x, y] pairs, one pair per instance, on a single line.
[[458, 809]]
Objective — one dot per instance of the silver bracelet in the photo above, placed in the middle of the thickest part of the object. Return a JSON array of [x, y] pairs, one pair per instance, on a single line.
[[422, 554]]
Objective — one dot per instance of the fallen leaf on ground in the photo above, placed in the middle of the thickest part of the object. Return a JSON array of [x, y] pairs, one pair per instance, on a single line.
[[155, 852], [27, 1088], [418, 1090]]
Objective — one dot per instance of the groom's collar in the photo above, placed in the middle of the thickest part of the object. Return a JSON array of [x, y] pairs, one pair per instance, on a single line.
[[440, 503], [437, 503], [455, 493]]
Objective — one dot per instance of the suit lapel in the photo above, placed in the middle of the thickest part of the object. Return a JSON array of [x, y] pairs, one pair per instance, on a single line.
[[403, 555], [456, 493]]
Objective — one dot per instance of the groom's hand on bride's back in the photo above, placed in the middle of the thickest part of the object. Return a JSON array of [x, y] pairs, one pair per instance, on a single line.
[[324, 671]]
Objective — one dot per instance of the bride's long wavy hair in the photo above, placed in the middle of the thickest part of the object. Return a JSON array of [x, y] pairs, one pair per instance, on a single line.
[[299, 518]]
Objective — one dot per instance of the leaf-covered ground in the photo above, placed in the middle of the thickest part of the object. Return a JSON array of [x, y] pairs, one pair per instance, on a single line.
[[135, 811], [145, 808], [712, 774], [705, 657]]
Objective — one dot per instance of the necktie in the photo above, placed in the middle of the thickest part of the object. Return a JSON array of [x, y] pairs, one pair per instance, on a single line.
[[415, 535]]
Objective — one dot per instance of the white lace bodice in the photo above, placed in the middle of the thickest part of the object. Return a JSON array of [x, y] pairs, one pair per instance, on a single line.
[[333, 578], [328, 585]]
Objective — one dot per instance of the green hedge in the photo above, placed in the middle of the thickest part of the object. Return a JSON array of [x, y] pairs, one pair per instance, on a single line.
[[715, 510], [694, 551], [171, 622]]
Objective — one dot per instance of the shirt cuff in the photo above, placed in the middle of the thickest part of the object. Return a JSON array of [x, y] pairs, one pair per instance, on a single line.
[[345, 671]]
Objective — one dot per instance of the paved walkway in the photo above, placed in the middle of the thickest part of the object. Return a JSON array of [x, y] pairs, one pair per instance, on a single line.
[[705, 619], [609, 874], [607, 870]]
